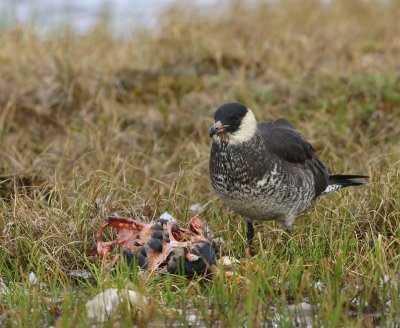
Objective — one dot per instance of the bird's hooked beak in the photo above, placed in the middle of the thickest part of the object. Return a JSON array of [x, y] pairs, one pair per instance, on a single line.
[[217, 128]]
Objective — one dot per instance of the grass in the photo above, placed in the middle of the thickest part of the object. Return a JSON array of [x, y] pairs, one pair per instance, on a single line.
[[91, 125]]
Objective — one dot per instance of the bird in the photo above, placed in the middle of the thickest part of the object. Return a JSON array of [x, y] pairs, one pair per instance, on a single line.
[[267, 171]]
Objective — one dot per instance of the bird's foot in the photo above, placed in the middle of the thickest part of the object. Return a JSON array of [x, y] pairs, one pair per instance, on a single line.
[[250, 251]]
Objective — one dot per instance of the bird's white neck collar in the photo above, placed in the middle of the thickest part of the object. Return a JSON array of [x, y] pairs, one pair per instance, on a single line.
[[246, 131]]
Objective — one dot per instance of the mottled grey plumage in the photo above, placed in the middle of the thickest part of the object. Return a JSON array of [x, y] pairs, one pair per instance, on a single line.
[[268, 173]]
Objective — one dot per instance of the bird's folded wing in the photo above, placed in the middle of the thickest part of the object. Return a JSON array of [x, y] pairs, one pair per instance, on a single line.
[[283, 141]]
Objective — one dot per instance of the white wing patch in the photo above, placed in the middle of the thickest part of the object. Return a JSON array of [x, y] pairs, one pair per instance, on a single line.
[[331, 188]]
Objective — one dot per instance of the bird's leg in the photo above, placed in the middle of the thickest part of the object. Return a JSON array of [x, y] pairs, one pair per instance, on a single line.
[[250, 237], [250, 233], [288, 229]]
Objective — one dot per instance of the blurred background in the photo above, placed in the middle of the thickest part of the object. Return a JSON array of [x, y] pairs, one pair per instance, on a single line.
[[48, 15]]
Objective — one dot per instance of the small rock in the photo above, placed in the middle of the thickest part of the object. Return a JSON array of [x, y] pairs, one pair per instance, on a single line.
[[102, 305], [32, 279], [227, 262]]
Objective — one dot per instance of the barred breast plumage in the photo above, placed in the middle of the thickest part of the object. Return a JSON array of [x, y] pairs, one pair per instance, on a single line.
[[256, 184]]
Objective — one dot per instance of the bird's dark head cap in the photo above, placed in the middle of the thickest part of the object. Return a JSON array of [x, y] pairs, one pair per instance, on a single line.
[[232, 112], [228, 118]]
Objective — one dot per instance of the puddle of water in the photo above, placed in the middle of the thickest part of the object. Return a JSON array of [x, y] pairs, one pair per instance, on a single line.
[[81, 15]]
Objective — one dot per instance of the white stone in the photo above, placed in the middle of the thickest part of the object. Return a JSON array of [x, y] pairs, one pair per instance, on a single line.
[[32, 279], [227, 262], [102, 305]]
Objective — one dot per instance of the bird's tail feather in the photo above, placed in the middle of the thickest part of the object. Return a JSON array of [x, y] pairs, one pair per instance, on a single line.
[[346, 180], [338, 181]]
